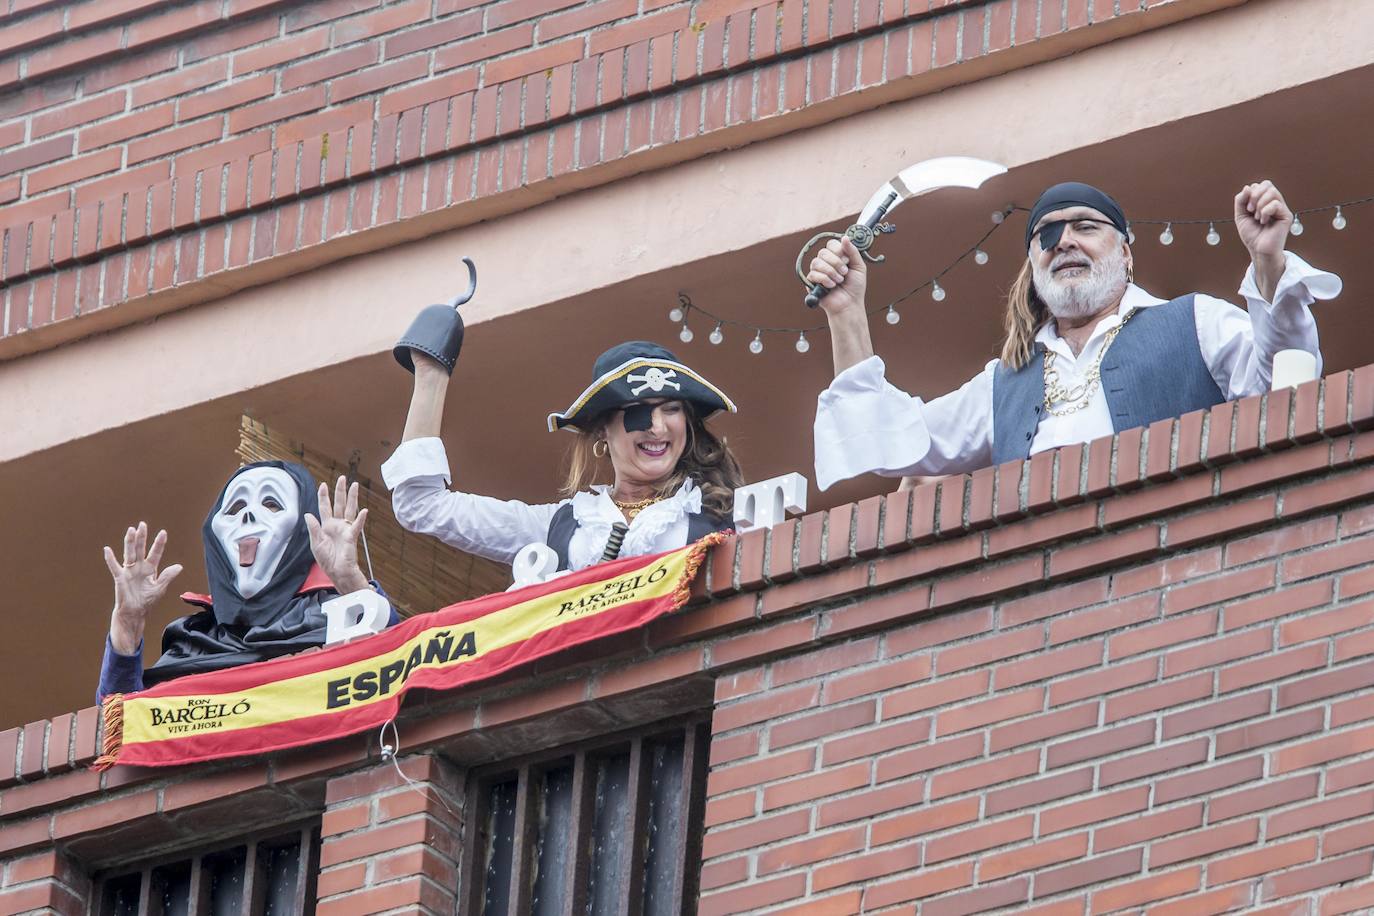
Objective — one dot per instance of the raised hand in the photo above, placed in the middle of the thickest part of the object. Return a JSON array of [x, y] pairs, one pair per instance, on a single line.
[[334, 536], [137, 585], [1262, 221], [839, 268]]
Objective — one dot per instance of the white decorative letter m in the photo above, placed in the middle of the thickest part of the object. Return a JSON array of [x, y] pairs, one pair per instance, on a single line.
[[764, 504]]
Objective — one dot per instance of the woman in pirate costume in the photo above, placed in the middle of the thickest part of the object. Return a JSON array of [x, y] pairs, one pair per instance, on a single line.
[[644, 414]]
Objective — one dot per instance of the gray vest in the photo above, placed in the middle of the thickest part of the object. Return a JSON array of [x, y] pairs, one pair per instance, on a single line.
[[1140, 383]]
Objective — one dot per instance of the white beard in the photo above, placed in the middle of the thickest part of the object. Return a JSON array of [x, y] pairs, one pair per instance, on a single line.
[[1084, 296]]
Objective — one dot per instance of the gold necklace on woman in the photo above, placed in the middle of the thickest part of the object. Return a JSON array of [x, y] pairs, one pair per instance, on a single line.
[[631, 509], [1075, 398]]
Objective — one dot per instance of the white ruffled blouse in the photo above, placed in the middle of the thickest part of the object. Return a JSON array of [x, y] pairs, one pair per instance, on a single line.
[[418, 476]]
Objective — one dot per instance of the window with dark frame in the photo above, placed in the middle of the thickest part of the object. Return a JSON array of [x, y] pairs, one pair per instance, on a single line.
[[267, 874], [610, 827]]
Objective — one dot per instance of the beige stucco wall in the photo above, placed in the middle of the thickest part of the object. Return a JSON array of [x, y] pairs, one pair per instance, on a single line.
[[695, 212]]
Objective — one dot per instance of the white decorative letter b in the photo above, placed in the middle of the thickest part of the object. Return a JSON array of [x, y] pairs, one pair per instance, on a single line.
[[359, 613]]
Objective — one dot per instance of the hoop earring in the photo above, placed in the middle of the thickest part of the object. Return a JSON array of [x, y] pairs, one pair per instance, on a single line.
[[605, 448]]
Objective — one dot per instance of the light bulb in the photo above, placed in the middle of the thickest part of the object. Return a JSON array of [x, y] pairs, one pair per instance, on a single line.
[[1213, 237], [685, 335], [937, 292], [997, 217], [1298, 227], [756, 345], [675, 314], [716, 336], [1167, 236], [892, 316], [1339, 222], [980, 256], [802, 343]]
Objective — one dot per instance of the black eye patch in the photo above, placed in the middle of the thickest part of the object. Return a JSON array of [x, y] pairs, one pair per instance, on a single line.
[[1053, 231], [1050, 234], [638, 417]]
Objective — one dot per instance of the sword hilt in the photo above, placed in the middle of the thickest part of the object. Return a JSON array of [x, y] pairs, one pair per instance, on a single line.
[[863, 235]]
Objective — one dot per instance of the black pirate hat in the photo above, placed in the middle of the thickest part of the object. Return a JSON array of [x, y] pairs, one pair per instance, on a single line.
[[632, 371]]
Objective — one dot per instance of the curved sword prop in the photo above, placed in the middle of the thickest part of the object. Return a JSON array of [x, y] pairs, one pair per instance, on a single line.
[[912, 181]]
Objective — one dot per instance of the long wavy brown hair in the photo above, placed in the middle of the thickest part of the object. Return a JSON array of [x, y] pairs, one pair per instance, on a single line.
[[707, 459], [1026, 315]]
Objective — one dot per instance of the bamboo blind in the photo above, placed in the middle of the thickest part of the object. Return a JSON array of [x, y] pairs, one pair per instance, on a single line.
[[418, 572]]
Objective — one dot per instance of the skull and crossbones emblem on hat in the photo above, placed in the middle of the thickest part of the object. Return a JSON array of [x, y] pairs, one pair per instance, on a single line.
[[653, 379], [633, 370]]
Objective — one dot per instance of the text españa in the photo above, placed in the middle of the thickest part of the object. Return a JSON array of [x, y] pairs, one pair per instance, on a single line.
[[440, 648]]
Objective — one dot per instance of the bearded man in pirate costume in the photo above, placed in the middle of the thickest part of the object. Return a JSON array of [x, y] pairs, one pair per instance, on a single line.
[[672, 480], [1087, 352], [275, 550]]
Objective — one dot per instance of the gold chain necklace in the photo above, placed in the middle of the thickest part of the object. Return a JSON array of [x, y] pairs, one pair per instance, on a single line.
[[631, 509], [1076, 398]]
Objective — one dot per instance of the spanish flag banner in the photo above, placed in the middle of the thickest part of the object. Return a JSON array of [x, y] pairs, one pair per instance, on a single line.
[[345, 689]]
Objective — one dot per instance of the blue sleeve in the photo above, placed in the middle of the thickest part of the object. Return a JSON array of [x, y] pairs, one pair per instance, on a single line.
[[395, 618], [121, 673]]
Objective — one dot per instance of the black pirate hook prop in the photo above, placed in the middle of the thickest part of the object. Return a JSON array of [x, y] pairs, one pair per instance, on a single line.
[[912, 181], [438, 330]]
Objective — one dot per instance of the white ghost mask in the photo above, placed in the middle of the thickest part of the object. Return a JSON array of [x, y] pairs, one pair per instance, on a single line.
[[254, 525]]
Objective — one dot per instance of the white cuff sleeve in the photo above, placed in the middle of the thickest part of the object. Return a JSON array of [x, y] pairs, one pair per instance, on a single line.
[[416, 458], [1300, 285], [864, 424]]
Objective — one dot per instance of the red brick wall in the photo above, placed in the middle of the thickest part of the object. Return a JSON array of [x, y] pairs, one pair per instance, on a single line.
[[146, 146], [1184, 724], [389, 842], [1199, 728], [44, 882], [1132, 676]]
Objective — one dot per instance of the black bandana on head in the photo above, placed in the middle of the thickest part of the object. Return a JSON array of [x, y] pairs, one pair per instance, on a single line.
[[1070, 194], [235, 631]]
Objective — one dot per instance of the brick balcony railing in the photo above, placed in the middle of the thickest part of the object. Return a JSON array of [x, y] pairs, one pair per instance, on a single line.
[[1136, 675]]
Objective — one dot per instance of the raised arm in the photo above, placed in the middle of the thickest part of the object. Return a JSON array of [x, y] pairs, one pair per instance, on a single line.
[[839, 268], [418, 476], [1263, 221], [866, 425], [137, 587], [1278, 289], [426, 413]]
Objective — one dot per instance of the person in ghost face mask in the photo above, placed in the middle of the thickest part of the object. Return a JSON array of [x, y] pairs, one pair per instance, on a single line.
[[275, 550]]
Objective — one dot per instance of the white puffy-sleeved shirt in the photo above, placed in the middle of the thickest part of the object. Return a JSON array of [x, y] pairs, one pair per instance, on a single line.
[[418, 476], [866, 425]]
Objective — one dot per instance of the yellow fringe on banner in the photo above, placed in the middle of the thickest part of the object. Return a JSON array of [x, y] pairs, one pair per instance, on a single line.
[[693, 563], [112, 713]]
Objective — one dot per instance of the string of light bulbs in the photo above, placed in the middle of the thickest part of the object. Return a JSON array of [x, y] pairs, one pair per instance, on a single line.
[[681, 313]]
